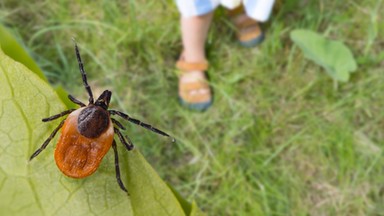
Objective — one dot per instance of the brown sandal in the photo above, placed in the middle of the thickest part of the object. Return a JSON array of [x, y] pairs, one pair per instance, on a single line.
[[196, 94], [249, 33]]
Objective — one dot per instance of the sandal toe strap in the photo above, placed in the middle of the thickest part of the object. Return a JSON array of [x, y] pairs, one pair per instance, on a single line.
[[195, 92], [191, 66], [186, 87]]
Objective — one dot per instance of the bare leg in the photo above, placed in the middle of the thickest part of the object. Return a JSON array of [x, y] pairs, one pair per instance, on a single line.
[[194, 31]]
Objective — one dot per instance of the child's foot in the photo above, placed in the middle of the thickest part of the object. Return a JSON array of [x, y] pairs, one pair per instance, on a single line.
[[249, 32], [194, 91]]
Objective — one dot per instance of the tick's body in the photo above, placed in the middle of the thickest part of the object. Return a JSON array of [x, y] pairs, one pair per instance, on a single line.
[[87, 134], [76, 155]]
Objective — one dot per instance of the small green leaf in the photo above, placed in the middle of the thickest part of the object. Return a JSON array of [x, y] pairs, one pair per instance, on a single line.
[[187, 207], [333, 56], [149, 194], [13, 49], [196, 211], [190, 209]]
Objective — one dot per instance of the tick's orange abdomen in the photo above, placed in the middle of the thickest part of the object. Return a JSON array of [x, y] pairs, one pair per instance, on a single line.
[[78, 156]]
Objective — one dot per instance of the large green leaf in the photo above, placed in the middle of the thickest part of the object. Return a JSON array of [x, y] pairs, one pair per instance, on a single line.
[[334, 56], [38, 187]]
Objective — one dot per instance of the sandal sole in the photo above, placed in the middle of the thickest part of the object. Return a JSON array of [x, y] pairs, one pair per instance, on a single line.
[[254, 42], [195, 106]]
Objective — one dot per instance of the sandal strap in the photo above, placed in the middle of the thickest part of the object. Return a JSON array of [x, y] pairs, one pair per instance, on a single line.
[[194, 85], [196, 98], [239, 21], [244, 23], [236, 11], [249, 33], [191, 66], [185, 92]]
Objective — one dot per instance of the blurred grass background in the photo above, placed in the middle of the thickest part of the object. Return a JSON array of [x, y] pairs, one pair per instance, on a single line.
[[279, 139]]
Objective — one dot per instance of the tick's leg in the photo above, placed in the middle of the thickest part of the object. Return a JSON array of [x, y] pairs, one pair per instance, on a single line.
[[138, 122], [118, 124], [74, 100], [37, 152], [83, 74], [58, 115], [117, 167], [128, 145]]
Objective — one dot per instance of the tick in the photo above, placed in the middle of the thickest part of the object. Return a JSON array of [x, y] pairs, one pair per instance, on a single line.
[[88, 133]]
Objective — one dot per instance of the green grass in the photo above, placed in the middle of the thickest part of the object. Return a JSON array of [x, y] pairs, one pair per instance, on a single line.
[[280, 139]]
